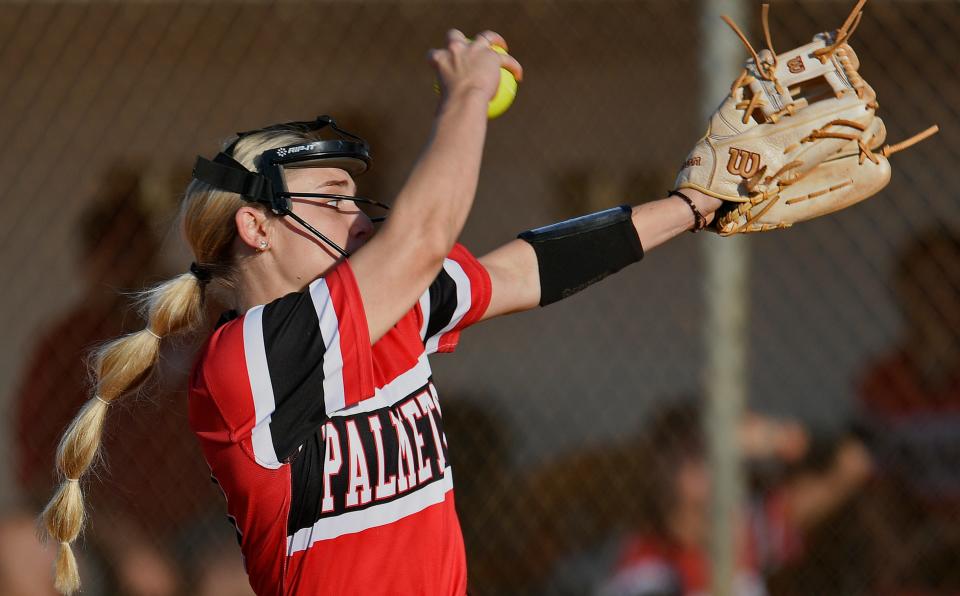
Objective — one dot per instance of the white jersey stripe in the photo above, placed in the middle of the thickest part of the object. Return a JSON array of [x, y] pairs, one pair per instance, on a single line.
[[334, 395], [401, 387], [352, 522], [456, 272], [255, 352], [425, 313]]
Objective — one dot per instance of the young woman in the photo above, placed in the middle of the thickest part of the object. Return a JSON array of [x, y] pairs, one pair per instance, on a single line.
[[315, 407]]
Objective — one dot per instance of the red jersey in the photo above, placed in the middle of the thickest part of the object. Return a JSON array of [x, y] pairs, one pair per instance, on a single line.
[[330, 452]]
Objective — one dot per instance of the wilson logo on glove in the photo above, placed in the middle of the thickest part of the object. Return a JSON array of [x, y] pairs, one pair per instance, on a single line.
[[744, 163], [796, 65]]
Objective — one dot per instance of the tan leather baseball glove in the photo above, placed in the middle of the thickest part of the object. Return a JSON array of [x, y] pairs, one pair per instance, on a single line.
[[857, 172], [795, 138]]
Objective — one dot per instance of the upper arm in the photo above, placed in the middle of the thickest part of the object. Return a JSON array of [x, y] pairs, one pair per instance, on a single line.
[[514, 277], [391, 275], [390, 291]]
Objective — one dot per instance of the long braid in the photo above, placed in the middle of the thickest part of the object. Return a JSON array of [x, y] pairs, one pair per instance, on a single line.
[[121, 365]]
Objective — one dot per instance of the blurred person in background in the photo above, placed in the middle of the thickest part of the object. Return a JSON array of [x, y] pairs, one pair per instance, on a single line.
[[909, 407], [154, 480], [24, 561], [491, 515], [667, 553], [215, 569]]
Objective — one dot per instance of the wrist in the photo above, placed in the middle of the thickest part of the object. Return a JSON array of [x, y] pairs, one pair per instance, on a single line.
[[467, 96], [704, 202], [699, 204]]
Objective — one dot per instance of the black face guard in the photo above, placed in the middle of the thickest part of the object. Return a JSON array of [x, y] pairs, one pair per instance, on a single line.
[[267, 187]]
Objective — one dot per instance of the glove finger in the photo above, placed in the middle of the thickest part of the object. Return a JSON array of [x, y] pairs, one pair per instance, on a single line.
[[834, 185]]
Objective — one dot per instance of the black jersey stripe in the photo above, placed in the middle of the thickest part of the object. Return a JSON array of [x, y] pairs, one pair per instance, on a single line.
[[292, 338], [306, 479], [443, 303]]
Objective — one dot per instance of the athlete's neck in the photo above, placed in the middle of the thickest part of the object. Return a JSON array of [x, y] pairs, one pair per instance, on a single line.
[[261, 280]]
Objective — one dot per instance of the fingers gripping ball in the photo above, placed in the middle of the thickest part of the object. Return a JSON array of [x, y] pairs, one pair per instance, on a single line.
[[506, 92]]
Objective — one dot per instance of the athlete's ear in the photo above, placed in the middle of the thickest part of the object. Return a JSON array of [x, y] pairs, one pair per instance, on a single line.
[[253, 227]]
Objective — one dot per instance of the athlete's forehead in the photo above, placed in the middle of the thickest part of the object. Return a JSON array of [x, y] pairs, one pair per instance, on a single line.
[[310, 178]]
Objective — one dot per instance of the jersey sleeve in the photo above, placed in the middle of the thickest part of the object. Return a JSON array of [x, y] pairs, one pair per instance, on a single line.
[[306, 355], [456, 299]]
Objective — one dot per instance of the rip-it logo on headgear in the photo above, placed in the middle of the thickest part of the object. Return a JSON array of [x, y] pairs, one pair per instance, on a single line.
[[284, 151], [267, 186]]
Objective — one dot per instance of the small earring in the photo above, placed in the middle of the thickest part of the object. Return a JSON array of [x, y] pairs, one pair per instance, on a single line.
[[263, 245]]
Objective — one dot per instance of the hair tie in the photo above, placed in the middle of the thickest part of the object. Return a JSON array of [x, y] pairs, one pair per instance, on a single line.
[[202, 274], [77, 480], [152, 332], [101, 400]]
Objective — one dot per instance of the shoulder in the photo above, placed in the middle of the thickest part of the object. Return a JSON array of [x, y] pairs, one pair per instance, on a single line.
[[224, 348]]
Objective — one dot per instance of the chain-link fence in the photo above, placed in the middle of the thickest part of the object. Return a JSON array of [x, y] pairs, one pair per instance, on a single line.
[[575, 430]]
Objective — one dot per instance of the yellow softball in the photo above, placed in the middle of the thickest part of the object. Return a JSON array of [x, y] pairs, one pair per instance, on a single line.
[[506, 91]]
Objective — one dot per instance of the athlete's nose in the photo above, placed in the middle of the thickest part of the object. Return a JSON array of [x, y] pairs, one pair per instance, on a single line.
[[360, 231]]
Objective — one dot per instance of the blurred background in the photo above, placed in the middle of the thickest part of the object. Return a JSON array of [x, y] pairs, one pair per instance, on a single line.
[[577, 431]]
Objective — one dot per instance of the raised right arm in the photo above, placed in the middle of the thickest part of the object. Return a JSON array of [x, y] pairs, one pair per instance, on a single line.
[[399, 262]]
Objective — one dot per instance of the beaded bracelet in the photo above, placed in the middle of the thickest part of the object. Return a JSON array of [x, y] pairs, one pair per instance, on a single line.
[[699, 221]]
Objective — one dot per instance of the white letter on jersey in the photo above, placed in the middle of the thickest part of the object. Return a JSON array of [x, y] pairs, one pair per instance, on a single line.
[[404, 454], [384, 489], [426, 404], [359, 476], [331, 463], [412, 413]]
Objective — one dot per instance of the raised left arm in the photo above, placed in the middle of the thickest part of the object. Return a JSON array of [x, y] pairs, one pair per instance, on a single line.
[[514, 270]]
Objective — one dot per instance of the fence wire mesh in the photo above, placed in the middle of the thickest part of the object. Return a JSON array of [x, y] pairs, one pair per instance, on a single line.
[[575, 431]]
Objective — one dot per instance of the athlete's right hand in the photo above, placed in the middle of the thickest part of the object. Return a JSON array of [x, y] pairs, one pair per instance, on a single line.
[[466, 66]]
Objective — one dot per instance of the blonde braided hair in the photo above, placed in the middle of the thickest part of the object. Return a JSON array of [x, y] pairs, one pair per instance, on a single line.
[[121, 365]]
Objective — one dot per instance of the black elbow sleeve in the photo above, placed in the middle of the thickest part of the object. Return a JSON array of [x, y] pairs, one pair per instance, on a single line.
[[576, 253]]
